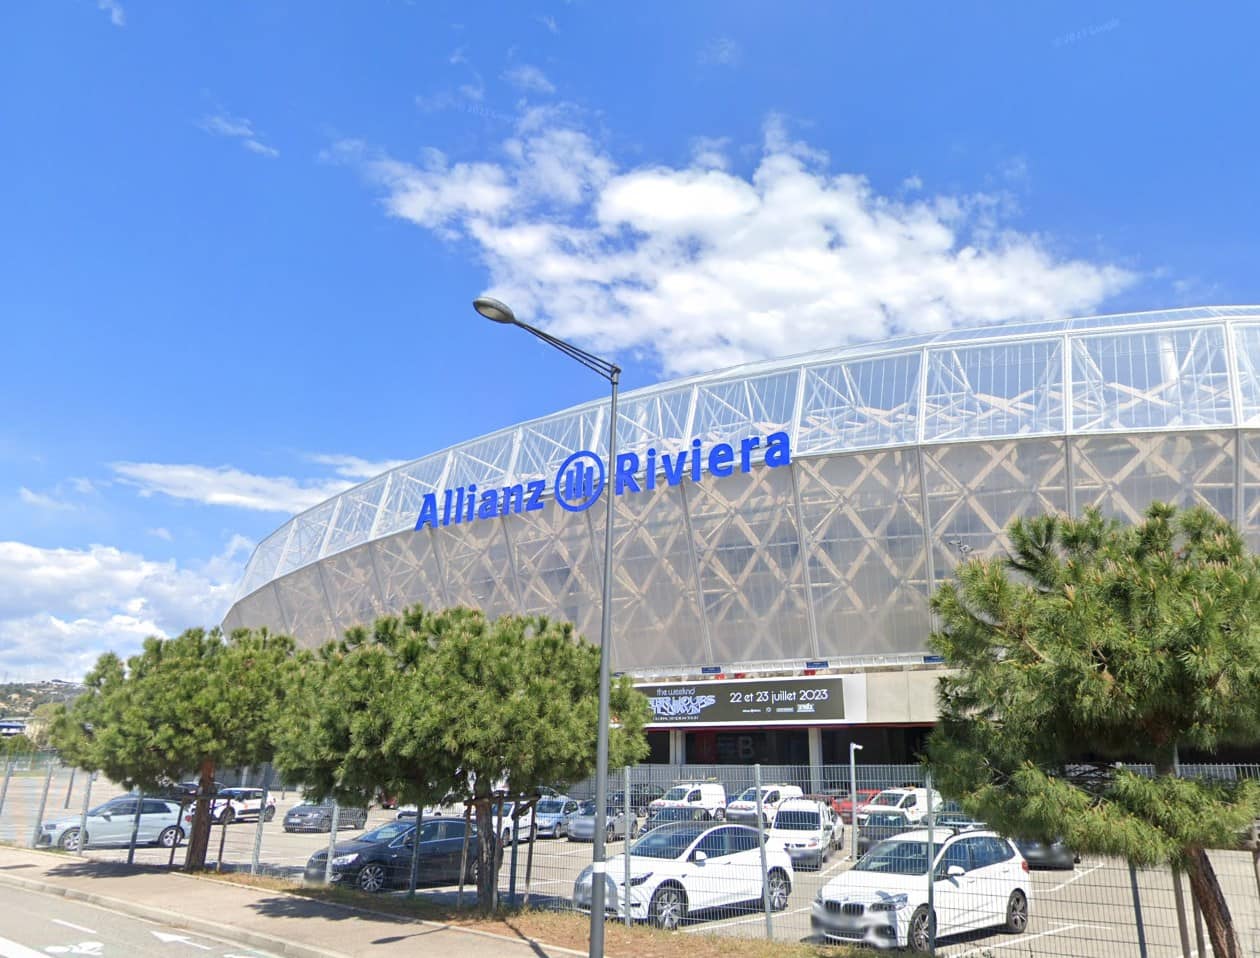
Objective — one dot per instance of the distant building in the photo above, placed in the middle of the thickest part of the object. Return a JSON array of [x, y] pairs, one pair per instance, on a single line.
[[11, 727]]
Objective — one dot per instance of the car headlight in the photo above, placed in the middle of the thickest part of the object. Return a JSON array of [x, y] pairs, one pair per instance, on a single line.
[[346, 859], [890, 904], [640, 879]]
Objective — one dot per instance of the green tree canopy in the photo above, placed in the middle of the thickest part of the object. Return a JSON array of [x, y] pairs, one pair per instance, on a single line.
[[1097, 640], [18, 744], [197, 702]]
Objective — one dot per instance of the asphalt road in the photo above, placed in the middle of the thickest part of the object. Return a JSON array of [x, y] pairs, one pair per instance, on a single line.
[[34, 925]]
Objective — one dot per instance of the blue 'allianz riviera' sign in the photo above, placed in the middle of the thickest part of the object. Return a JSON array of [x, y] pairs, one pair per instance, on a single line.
[[581, 479]]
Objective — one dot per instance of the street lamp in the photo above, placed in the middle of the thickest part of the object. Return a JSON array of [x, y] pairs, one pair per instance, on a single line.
[[498, 312]]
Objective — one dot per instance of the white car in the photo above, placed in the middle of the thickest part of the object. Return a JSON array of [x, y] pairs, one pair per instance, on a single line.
[[980, 881], [237, 804], [711, 796], [503, 826], [685, 867], [744, 808], [111, 824], [912, 801], [808, 830]]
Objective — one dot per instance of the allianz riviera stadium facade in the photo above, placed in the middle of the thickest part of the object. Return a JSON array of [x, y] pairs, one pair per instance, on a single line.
[[895, 462]]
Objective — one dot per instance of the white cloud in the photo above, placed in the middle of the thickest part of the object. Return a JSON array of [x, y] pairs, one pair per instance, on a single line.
[[237, 128], [721, 51], [117, 16], [61, 608], [225, 486], [701, 267], [352, 467], [162, 533], [530, 79], [549, 22], [41, 501]]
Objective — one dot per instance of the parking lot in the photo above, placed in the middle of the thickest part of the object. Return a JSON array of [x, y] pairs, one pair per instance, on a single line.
[[1087, 911]]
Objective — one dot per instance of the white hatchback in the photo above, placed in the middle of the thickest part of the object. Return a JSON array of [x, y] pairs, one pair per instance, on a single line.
[[685, 867], [808, 830], [980, 881]]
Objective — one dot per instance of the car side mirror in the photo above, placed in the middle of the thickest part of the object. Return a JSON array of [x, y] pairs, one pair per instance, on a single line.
[[955, 871], [699, 857]]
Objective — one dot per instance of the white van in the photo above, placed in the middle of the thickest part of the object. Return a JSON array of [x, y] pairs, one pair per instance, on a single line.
[[912, 801], [809, 831], [711, 796], [744, 808]]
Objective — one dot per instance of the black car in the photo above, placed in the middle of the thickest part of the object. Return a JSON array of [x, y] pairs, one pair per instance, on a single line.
[[1047, 854], [951, 815], [640, 797], [881, 825], [381, 858], [318, 818], [667, 816]]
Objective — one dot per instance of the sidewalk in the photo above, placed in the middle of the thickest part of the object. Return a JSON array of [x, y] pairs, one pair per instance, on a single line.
[[268, 920]]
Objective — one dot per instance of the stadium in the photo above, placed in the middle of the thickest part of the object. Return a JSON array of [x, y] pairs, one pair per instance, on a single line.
[[781, 525]]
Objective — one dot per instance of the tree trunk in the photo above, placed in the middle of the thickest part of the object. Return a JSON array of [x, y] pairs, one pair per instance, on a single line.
[[488, 858], [199, 840], [1207, 892]]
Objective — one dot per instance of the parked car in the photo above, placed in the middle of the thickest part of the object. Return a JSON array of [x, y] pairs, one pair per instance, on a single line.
[[1047, 854], [310, 817], [186, 791], [581, 825], [381, 858], [641, 796], [111, 824], [670, 816], [687, 867], [744, 808], [238, 804], [951, 815], [844, 804], [505, 825], [552, 815], [910, 799], [880, 826], [808, 830], [711, 796], [979, 879]]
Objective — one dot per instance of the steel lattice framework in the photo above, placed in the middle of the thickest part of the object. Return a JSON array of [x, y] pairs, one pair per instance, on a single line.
[[907, 457]]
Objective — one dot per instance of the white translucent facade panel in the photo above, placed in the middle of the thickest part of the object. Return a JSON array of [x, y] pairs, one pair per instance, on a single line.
[[405, 491], [1122, 475], [558, 567], [409, 571], [1003, 389], [868, 567], [860, 404], [1249, 506], [305, 607], [1247, 356], [306, 540], [656, 610], [476, 567], [352, 589], [975, 489], [355, 515], [746, 407], [547, 443], [751, 568], [1151, 380], [487, 462], [262, 609], [262, 565], [659, 419]]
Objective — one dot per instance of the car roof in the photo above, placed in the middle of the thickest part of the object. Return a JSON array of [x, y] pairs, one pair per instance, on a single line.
[[801, 801], [943, 835]]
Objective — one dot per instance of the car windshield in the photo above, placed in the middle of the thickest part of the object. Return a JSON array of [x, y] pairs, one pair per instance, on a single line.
[[888, 797], [550, 807], [886, 819], [669, 842], [895, 858], [798, 820], [750, 794], [586, 808], [389, 831], [677, 793]]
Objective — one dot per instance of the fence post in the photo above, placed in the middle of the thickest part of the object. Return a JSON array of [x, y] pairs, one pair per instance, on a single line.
[[761, 845], [135, 827], [1137, 911], [8, 774], [630, 818], [69, 788], [87, 801], [854, 748], [414, 875], [258, 832], [931, 872], [1183, 927], [1198, 928], [43, 801], [332, 841], [516, 840], [463, 856]]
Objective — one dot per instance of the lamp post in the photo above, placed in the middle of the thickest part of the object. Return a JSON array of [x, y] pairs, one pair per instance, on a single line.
[[498, 312]]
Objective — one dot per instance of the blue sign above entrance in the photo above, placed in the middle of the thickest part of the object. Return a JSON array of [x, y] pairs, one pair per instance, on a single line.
[[583, 476]]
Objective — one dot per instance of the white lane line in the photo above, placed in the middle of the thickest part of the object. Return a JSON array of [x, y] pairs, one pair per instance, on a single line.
[[981, 949], [70, 924], [11, 949], [731, 923], [833, 866], [1075, 877]]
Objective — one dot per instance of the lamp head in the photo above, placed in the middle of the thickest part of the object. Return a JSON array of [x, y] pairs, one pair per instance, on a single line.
[[494, 310]]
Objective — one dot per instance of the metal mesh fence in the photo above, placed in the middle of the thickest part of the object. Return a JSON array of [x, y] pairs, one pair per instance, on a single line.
[[697, 862]]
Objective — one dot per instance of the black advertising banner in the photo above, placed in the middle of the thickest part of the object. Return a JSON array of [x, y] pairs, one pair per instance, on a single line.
[[815, 700]]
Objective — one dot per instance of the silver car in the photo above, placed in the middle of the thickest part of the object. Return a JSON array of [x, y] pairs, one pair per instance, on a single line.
[[111, 824], [581, 824], [551, 814]]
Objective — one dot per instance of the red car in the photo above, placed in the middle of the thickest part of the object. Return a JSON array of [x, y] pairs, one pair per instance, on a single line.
[[844, 806]]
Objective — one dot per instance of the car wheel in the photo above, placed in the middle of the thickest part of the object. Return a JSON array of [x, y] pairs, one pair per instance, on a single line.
[[634, 830], [507, 837], [720, 814], [170, 836], [69, 840], [1017, 913], [780, 887], [470, 876], [610, 833], [919, 935], [270, 813], [228, 816], [371, 878], [668, 908]]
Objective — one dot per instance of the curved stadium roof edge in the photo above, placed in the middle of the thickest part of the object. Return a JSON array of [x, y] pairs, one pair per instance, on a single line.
[[1053, 377]]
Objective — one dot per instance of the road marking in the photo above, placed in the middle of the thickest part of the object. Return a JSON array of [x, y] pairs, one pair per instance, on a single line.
[[166, 938], [92, 948], [832, 867], [981, 949], [1063, 885], [11, 949], [70, 924]]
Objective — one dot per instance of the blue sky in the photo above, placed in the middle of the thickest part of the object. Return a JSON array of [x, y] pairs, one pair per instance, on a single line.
[[240, 240]]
